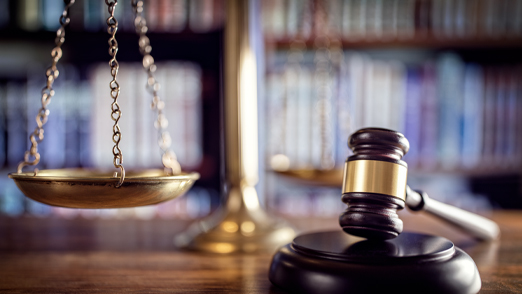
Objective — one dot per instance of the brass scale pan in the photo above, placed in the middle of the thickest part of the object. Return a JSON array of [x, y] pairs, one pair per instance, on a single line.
[[83, 188], [77, 188]]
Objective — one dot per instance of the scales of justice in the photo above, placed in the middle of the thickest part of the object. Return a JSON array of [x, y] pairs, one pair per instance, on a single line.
[[370, 255]]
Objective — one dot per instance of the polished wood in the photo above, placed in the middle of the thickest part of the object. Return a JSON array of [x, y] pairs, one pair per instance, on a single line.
[[133, 256], [336, 263], [374, 215]]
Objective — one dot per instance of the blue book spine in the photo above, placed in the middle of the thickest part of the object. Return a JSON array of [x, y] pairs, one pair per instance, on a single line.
[[93, 15], [412, 114], [430, 118], [473, 109], [51, 10], [450, 84]]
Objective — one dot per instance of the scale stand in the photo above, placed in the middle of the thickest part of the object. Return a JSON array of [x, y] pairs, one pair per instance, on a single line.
[[241, 225]]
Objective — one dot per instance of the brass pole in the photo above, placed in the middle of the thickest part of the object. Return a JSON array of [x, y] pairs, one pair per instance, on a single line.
[[241, 225]]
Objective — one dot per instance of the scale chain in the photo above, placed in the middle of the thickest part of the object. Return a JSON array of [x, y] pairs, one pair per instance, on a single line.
[[168, 158], [112, 28], [47, 92]]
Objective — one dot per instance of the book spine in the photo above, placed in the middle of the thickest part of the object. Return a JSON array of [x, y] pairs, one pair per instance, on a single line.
[[17, 137], [511, 119], [77, 16], [28, 17], [145, 118], [193, 113], [93, 15], [126, 101], [304, 104], [84, 119], [101, 122], [201, 15], [51, 10], [3, 129], [412, 113], [5, 18], [490, 89], [473, 116], [450, 73], [53, 147], [71, 117], [430, 117]]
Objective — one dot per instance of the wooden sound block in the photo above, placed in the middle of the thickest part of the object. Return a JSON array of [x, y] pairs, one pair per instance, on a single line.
[[335, 262]]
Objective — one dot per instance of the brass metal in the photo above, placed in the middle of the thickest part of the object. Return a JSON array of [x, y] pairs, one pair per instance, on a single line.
[[373, 176], [315, 177], [168, 158], [77, 188], [112, 28], [47, 93], [241, 225]]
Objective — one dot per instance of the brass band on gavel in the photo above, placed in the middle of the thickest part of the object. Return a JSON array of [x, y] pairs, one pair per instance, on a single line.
[[374, 176]]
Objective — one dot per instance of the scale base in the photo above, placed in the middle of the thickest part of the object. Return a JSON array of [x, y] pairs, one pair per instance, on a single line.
[[335, 262], [237, 232]]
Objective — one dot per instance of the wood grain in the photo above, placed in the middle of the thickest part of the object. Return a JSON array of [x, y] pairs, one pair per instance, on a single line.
[[132, 256]]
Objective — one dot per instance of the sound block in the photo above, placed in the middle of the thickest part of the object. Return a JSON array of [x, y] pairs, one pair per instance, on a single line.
[[335, 262]]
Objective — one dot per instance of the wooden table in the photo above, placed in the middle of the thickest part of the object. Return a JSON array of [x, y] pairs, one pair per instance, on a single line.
[[132, 256]]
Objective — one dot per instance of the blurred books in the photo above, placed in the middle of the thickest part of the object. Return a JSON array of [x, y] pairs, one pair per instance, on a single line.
[[78, 132], [382, 20], [444, 73], [169, 16], [457, 116]]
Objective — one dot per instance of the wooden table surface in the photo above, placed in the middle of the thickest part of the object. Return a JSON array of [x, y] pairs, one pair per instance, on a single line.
[[134, 256]]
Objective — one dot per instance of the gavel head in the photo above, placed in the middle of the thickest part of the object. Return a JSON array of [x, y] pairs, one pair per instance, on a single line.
[[374, 184]]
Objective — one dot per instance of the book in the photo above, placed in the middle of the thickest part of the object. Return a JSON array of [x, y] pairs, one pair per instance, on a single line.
[[28, 16], [51, 11], [53, 146], [430, 117], [5, 18], [450, 72], [93, 15], [84, 111], [173, 15], [490, 121], [17, 136], [413, 115], [77, 15], [473, 105], [3, 129], [201, 15]]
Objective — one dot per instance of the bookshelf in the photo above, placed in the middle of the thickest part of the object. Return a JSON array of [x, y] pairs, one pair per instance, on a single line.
[[421, 42], [187, 46], [451, 69]]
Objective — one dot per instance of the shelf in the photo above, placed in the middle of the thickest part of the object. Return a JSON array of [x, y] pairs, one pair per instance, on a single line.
[[334, 177], [421, 41]]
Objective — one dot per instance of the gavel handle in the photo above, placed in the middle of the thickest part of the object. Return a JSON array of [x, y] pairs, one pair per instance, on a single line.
[[474, 224]]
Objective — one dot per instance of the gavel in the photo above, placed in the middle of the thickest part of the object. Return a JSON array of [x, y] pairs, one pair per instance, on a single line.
[[374, 188]]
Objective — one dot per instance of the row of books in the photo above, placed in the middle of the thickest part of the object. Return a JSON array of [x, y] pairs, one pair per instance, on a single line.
[[456, 116], [197, 203], [297, 200], [79, 129], [91, 15], [391, 19]]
